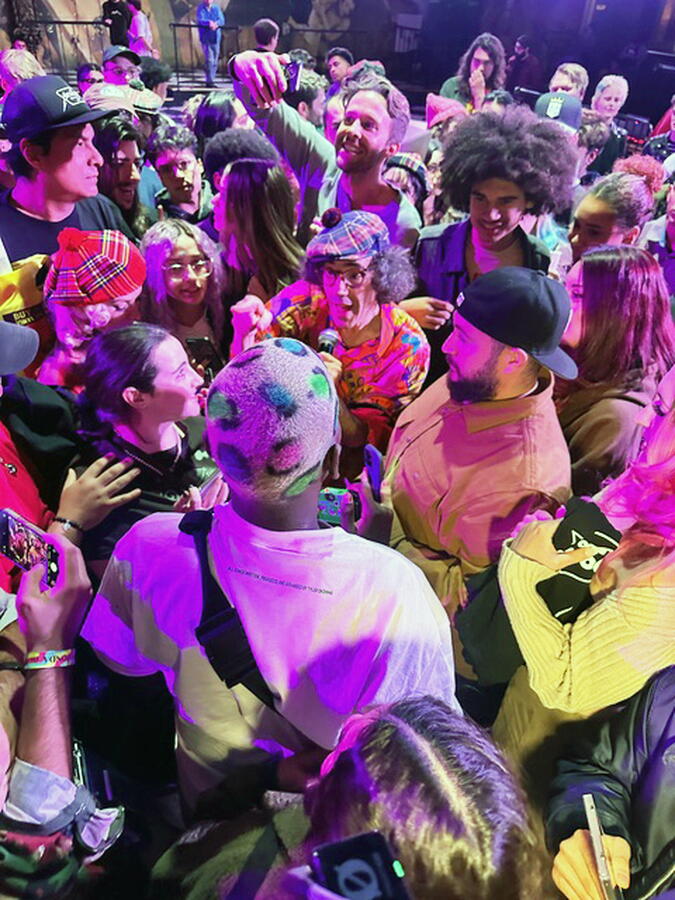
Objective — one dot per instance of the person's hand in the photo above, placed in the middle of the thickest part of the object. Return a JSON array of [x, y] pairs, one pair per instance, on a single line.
[[333, 365], [477, 88], [428, 312], [50, 619], [539, 515], [250, 315], [375, 520], [88, 499], [535, 542], [294, 772], [263, 74], [574, 870], [216, 493], [213, 25]]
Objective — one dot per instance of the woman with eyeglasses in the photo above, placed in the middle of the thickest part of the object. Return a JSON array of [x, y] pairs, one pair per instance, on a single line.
[[121, 146], [376, 353], [622, 337], [183, 290]]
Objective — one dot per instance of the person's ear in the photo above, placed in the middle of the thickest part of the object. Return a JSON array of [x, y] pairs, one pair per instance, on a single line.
[[303, 109], [134, 398], [33, 153], [513, 360], [392, 147]]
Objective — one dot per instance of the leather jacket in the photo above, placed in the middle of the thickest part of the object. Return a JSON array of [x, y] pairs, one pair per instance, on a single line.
[[628, 763]]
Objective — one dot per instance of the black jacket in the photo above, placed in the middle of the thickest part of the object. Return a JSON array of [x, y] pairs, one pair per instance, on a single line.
[[628, 764], [441, 273]]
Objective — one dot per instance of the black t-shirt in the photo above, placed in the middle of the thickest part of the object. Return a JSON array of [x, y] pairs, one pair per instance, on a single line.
[[163, 478], [120, 17], [23, 235]]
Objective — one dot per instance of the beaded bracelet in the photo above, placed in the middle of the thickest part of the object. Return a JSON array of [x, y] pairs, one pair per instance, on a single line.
[[50, 659], [68, 524]]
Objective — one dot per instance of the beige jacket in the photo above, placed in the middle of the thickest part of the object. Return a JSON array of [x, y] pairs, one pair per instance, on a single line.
[[463, 475]]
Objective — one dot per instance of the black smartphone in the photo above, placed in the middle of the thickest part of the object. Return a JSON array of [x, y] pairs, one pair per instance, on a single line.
[[374, 464], [26, 545], [202, 353], [293, 71], [360, 866]]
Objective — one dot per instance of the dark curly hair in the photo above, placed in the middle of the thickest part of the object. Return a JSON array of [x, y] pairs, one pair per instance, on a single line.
[[495, 50], [393, 274], [515, 145]]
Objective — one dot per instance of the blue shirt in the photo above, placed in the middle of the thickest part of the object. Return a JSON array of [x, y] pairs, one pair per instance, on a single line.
[[206, 14]]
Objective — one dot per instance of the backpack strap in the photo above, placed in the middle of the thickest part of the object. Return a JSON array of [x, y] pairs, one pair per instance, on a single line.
[[220, 631]]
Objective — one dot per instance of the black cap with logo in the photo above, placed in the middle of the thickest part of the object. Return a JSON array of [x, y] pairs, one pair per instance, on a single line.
[[41, 104], [522, 308]]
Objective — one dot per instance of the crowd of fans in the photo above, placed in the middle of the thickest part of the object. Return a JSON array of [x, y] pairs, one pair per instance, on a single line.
[[213, 326]]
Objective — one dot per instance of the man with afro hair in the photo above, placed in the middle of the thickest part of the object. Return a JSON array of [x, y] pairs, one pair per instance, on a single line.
[[497, 167]]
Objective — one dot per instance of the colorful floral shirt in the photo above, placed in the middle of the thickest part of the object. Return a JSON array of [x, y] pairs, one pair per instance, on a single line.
[[380, 376]]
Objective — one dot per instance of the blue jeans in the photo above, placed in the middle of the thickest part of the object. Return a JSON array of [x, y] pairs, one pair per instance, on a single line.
[[211, 55]]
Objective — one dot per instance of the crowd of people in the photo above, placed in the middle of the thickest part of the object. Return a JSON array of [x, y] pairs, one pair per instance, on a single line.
[[346, 444]]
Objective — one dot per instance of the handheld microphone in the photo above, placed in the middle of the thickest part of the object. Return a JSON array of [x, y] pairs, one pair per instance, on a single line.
[[328, 338]]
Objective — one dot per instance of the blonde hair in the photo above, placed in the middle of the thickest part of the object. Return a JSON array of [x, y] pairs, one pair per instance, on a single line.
[[608, 81], [576, 74], [17, 66]]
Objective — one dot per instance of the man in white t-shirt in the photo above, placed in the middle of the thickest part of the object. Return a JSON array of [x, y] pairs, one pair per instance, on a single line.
[[335, 623]]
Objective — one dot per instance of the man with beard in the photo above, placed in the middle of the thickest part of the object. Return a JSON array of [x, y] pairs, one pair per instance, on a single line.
[[172, 151], [482, 447], [523, 69], [347, 175]]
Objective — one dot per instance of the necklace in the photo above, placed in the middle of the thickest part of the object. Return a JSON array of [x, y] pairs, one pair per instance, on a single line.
[[148, 465]]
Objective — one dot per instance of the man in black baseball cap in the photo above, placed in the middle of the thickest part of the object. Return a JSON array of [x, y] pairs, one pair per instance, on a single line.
[[56, 168], [482, 447], [120, 65]]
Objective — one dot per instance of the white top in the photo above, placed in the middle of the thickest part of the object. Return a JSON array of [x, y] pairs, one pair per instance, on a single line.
[[336, 624], [140, 34]]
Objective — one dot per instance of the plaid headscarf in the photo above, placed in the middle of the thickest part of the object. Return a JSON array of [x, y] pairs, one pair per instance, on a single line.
[[93, 267], [272, 416], [411, 162], [355, 233]]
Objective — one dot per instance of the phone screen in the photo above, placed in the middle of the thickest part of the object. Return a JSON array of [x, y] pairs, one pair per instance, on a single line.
[[24, 544], [360, 866]]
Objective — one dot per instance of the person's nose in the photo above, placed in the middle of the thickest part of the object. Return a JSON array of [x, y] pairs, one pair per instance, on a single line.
[[493, 214], [135, 174], [95, 158], [448, 347]]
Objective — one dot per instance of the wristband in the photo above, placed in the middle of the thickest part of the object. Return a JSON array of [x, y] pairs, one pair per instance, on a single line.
[[68, 524], [50, 659]]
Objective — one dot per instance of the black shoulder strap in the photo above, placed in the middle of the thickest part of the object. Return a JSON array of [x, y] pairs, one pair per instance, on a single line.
[[220, 631]]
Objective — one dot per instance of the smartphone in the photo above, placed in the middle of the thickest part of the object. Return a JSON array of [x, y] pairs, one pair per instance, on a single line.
[[208, 484], [202, 353], [26, 545], [358, 867], [374, 464], [293, 71], [610, 891], [330, 500]]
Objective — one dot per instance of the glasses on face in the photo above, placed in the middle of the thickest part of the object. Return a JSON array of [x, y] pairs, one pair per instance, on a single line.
[[353, 278], [176, 271], [122, 72], [92, 79]]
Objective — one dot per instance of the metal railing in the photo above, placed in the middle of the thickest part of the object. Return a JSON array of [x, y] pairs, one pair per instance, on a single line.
[[187, 55], [70, 42]]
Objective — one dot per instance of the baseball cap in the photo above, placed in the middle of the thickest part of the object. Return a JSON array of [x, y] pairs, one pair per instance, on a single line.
[[18, 347], [561, 108], [438, 109], [350, 234], [118, 50], [109, 97], [411, 162], [42, 104], [522, 308], [93, 267]]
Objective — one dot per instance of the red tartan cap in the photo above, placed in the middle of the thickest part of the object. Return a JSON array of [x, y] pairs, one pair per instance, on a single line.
[[93, 267]]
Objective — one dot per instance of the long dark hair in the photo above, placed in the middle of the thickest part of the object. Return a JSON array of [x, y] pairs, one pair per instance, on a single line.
[[115, 360], [627, 322], [495, 50], [216, 113], [107, 140], [260, 213]]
